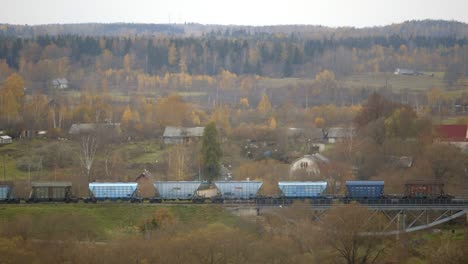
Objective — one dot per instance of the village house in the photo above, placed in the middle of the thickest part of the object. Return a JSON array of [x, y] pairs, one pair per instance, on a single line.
[[82, 129], [30, 133], [456, 135], [60, 83], [5, 139], [182, 135], [308, 165], [400, 71], [453, 133], [312, 137], [400, 162], [336, 134]]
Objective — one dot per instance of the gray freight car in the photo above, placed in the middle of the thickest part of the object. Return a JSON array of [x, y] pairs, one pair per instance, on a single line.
[[177, 190], [236, 190]]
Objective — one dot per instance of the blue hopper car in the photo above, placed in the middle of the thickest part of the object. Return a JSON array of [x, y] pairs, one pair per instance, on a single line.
[[6, 190], [101, 191], [305, 189]]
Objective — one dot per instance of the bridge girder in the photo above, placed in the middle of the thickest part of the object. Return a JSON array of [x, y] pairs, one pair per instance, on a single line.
[[393, 219]]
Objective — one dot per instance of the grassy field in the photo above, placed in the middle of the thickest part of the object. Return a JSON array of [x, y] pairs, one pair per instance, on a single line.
[[10, 153], [395, 82], [376, 80], [137, 154], [148, 151], [276, 83], [110, 219]]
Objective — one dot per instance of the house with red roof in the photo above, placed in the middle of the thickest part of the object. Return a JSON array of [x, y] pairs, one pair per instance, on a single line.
[[453, 133]]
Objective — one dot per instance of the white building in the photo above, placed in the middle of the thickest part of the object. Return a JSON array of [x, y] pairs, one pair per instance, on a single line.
[[309, 164], [60, 83], [5, 139]]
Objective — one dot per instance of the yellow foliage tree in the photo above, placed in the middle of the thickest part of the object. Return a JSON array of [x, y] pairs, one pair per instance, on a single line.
[[172, 111], [264, 106], [126, 117], [220, 116], [15, 84], [246, 84], [325, 79], [319, 122], [195, 119], [172, 55], [10, 109], [272, 123], [227, 79], [104, 85], [11, 98], [435, 97], [244, 102], [127, 62]]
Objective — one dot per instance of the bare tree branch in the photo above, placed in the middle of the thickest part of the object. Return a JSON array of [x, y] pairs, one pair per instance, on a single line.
[[87, 154]]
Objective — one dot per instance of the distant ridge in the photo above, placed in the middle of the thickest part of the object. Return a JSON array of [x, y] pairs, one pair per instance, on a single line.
[[428, 28]]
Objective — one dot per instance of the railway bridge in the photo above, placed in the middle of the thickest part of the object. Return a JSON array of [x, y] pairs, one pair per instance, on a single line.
[[395, 217]]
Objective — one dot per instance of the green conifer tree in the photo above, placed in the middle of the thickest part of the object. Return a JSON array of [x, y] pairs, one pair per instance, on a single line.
[[211, 152]]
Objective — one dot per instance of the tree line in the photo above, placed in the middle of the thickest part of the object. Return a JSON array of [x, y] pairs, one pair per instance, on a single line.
[[428, 27], [273, 55]]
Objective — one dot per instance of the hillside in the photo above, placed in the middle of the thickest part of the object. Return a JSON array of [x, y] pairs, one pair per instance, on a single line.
[[426, 28]]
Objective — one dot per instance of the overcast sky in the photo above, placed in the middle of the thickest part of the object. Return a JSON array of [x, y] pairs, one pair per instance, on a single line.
[[358, 13]]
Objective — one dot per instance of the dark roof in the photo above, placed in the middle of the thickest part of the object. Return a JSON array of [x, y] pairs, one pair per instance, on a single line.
[[364, 182], [76, 129], [340, 132], [423, 182], [316, 133], [59, 81], [51, 184], [403, 71], [177, 132], [401, 161], [294, 131], [453, 132], [81, 128]]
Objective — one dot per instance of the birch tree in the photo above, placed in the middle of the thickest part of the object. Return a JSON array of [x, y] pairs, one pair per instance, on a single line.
[[87, 154]]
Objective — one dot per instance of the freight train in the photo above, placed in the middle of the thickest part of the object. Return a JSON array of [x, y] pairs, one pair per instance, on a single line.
[[228, 191]]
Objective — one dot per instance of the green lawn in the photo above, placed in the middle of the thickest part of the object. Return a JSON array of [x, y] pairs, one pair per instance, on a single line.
[[10, 153]]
